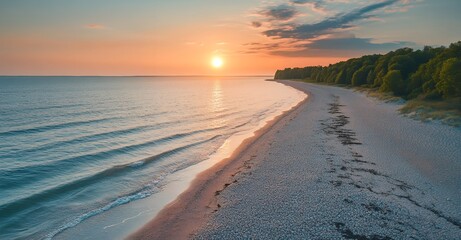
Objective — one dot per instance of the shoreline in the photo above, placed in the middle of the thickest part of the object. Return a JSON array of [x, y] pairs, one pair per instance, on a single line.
[[191, 209]]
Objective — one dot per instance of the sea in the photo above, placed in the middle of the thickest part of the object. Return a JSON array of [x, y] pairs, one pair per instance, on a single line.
[[98, 157]]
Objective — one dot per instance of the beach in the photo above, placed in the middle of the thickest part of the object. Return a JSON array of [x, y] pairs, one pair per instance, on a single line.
[[338, 165]]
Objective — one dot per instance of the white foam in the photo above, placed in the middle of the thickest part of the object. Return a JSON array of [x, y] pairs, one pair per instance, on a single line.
[[115, 203]]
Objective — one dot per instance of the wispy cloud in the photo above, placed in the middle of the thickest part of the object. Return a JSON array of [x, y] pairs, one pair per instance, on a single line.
[[256, 24], [280, 12], [315, 5], [94, 26], [340, 47], [330, 25], [192, 43]]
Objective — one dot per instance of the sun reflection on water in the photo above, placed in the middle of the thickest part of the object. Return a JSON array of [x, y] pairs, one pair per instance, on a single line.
[[217, 104]]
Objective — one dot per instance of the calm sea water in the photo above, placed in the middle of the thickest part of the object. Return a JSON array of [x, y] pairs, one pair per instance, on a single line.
[[72, 148]]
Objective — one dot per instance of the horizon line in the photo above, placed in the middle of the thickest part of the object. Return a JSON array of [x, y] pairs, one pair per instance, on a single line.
[[166, 75]]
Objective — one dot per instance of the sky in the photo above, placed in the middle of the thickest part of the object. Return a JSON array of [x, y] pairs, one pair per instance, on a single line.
[[181, 37]]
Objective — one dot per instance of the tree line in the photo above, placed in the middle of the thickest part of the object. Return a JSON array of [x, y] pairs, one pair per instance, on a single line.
[[429, 73]]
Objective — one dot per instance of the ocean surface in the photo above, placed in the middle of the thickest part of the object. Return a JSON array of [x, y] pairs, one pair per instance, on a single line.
[[75, 148]]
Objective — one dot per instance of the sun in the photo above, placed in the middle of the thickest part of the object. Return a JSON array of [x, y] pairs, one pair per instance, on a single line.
[[217, 62]]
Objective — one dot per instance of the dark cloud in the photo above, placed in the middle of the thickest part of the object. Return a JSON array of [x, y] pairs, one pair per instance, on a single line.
[[340, 47], [302, 1], [256, 24], [317, 2], [329, 25], [280, 12], [354, 44], [316, 5], [255, 46]]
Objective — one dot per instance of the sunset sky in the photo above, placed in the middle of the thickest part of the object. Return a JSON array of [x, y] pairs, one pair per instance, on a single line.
[[181, 37]]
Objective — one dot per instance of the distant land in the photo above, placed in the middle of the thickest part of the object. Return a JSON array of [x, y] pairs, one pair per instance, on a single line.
[[430, 79]]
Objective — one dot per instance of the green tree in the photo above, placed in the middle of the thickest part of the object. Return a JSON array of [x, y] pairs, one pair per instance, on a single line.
[[360, 76], [371, 77], [393, 82], [450, 78], [341, 77], [404, 63], [429, 73]]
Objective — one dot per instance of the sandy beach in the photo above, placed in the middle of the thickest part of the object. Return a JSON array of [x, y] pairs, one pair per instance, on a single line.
[[338, 166]]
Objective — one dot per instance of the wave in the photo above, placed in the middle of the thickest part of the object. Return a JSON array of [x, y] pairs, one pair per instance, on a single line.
[[21, 205], [46, 107], [153, 114], [52, 127], [85, 139], [33, 203], [31, 118], [252, 118], [35, 172], [234, 113], [88, 138], [117, 202]]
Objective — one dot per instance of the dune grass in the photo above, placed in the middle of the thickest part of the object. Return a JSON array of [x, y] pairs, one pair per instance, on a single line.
[[447, 111]]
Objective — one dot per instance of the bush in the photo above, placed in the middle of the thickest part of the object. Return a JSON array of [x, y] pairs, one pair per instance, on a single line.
[[393, 82]]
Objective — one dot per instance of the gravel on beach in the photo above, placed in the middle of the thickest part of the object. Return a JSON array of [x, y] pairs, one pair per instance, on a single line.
[[344, 166]]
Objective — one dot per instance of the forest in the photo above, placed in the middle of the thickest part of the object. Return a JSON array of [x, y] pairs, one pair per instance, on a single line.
[[427, 74]]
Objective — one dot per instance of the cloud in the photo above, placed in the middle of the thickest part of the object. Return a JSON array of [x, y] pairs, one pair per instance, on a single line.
[[303, 1], [330, 25], [354, 43], [255, 46], [332, 36], [256, 24], [200, 44], [340, 47], [315, 5], [94, 26], [281, 12]]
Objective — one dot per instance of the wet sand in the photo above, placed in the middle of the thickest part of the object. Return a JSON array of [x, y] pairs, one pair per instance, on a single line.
[[340, 165]]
